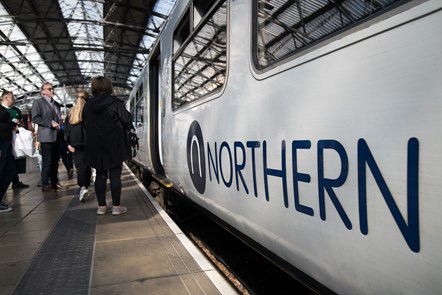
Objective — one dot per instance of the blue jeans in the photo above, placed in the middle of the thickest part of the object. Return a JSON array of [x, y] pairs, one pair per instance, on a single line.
[[7, 167]]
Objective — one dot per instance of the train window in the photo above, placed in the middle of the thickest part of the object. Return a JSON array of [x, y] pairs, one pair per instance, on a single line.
[[140, 91], [133, 112], [199, 66], [181, 32], [188, 23], [200, 8], [283, 28], [139, 107], [139, 112]]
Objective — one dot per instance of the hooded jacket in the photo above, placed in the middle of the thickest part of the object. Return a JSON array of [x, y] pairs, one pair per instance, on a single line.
[[106, 121]]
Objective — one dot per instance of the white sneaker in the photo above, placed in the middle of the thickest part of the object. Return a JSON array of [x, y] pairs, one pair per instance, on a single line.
[[118, 210], [103, 210], [5, 208], [84, 193]]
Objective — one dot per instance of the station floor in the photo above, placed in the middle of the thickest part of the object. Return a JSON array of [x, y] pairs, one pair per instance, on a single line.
[[54, 244]]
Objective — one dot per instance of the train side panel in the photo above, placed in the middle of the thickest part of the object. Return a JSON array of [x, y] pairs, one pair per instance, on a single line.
[[331, 160]]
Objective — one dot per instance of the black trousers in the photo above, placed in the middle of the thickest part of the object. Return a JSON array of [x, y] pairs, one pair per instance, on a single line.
[[50, 154], [84, 172], [115, 185], [7, 167], [66, 156]]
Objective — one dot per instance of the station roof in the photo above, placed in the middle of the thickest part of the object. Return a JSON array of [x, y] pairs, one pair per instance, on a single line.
[[69, 42]]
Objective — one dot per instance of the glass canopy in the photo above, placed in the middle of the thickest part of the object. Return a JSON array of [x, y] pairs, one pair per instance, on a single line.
[[92, 28]]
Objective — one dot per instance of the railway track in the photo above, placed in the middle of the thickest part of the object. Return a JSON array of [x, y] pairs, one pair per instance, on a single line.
[[246, 269]]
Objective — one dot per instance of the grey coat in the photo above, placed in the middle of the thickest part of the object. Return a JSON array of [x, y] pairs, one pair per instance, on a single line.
[[43, 114]]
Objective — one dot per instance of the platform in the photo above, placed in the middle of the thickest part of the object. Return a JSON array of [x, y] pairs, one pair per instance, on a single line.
[[54, 244]]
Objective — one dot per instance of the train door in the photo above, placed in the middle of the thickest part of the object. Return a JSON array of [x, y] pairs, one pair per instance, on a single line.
[[155, 112]]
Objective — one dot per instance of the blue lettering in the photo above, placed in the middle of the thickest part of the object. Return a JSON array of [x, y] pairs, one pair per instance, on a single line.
[[409, 227], [365, 158], [275, 172], [210, 160], [238, 167], [297, 176], [226, 146], [252, 145], [327, 184]]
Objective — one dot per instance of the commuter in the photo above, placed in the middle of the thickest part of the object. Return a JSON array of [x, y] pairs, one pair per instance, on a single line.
[[66, 155], [7, 162], [46, 113], [76, 140], [7, 102], [106, 120]]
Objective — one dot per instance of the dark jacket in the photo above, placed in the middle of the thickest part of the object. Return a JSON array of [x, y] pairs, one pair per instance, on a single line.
[[75, 135], [6, 125], [106, 120]]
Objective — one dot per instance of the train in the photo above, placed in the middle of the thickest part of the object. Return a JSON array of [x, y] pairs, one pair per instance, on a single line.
[[310, 129]]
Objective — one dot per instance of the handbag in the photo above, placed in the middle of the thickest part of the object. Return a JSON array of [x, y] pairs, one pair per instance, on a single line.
[[23, 142]]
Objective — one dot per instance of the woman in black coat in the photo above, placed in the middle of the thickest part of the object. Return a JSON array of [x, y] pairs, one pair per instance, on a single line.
[[107, 144]]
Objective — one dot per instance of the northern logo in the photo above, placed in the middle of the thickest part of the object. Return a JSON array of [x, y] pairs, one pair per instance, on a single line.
[[196, 160]]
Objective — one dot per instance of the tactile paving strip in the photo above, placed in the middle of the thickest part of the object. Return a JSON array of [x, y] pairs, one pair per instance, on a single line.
[[63, 263]]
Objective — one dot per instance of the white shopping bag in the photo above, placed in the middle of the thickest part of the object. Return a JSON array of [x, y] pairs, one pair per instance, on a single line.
[[23, 143]]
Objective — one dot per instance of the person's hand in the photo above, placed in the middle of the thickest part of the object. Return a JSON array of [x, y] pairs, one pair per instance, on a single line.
[[71, 148], [55, 125]]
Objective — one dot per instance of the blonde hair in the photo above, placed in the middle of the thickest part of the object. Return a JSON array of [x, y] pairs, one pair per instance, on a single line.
[[77, 110]]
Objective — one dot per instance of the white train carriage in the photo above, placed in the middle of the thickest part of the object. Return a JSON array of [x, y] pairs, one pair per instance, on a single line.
[[313, 128]]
